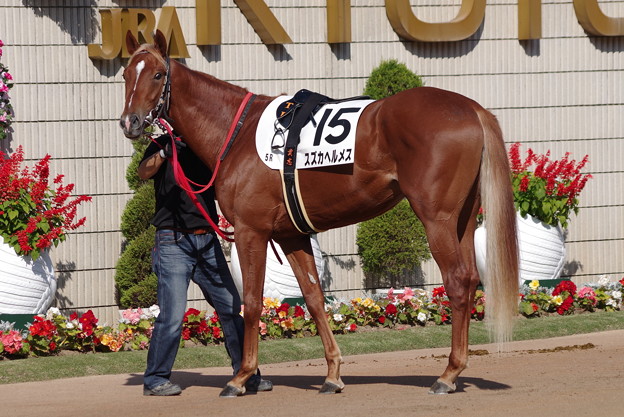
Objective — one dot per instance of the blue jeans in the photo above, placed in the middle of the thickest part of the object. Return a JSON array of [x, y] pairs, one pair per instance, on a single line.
[[178, 258]]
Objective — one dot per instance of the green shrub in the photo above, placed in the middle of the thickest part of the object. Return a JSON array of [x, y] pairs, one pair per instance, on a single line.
[[143, 293], [134, 267], [138, 212], [393, 245], [389, 78], [134, 280], [134, 182]]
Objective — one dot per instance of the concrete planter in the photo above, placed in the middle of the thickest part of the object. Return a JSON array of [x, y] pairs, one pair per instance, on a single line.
[[26, 286], [542, 249]]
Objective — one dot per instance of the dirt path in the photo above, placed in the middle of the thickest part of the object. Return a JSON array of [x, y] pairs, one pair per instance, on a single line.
[[571, 376]]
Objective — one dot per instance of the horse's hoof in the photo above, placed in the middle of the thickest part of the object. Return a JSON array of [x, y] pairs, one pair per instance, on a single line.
[[330, 388], [440, 387], [231, 391]]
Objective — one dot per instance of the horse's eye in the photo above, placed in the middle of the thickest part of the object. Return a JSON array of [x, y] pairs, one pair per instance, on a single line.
[[158, 76]]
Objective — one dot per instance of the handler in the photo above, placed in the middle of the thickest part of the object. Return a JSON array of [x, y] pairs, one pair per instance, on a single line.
[[186, 248]]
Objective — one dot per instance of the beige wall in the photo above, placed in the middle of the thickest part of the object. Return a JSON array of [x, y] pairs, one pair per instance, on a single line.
[[562, 92]]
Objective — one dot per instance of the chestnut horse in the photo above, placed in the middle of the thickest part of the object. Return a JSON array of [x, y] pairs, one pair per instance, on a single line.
[[440, 150]]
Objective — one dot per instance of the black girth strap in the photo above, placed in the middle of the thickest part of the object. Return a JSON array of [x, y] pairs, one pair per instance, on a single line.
[[291, 189]]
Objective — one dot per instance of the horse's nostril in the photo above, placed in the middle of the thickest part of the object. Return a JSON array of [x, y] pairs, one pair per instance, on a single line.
[[134, 120], [121, 123]]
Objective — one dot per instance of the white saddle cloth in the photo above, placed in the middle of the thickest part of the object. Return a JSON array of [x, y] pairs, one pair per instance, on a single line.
[[333, 144]]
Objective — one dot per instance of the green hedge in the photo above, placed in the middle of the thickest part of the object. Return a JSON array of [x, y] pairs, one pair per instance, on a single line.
[[134, 280], [389, 78]]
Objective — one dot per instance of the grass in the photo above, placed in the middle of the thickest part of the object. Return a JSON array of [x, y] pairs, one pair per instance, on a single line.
[[72, 364]]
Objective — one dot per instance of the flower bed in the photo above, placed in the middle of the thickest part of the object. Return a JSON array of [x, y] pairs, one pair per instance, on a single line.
[[49, 334]]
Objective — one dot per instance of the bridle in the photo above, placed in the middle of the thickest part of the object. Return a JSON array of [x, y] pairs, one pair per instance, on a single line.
[[161, 110]]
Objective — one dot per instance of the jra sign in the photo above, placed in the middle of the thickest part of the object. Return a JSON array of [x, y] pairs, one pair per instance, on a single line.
[[401, 15]]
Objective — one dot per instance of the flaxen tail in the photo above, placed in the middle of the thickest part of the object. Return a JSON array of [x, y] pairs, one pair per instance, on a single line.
[[501, 282]]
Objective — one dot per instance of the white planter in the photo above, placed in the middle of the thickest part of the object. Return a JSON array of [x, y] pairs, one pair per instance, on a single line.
[[541, 246], [26, 286], [279, 281]]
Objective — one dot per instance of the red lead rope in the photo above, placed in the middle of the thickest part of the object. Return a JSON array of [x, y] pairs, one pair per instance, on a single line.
[[184, 183]]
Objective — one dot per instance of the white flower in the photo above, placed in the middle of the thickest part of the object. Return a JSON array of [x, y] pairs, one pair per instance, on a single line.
[[338, 317], [616, 294], [52, 311], [603, 281], [611, 302], [70, 325], [421, 317], [154, 310]]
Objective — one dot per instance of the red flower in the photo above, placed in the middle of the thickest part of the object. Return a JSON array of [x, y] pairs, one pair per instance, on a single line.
[[565, 306], [186, 333], [191, 312], [439, 292], [42, 327], [203, 327], [565, 286], [87, 330], [391, 309], [299, 312], [43, 212], [382, 319], [216, 332], [283, 307]]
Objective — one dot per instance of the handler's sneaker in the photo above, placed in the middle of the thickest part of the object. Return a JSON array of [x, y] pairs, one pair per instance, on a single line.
[[257, 384], [166, 389]]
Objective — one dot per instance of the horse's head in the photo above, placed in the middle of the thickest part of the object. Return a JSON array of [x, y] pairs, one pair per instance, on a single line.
[[146, 78]]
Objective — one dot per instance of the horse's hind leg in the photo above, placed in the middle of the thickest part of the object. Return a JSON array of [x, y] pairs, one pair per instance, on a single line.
[[451, 242], [301, 258]]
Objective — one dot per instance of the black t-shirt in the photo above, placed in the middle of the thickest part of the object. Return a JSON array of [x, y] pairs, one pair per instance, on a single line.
[[174, 208]]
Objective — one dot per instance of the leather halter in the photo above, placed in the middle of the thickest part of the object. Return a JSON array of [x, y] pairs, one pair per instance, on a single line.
[[161, 110]]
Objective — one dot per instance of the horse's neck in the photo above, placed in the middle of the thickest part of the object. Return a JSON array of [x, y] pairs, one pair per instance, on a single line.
[[202, 109]]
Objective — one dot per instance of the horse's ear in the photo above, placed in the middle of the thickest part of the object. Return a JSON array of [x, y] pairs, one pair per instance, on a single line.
[[160, 43], [131, 43]]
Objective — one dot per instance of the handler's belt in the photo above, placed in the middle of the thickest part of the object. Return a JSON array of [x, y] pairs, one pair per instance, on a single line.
[[198, 231]]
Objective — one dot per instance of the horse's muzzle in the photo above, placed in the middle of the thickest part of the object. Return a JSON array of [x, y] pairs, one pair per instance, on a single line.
[[131, 125]]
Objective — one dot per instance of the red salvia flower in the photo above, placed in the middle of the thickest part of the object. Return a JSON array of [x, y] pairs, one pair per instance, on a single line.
[[35, 213], [544, 188]]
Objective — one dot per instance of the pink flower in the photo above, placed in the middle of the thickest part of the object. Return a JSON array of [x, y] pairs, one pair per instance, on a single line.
[[588, 293], [408, 293], [12, 341]]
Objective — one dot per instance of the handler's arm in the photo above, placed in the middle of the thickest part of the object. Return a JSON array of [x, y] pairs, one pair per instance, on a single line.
[[150, 166]]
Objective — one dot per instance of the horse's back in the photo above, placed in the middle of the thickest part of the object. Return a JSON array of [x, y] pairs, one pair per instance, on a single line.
[[421, 141], [421, 124]]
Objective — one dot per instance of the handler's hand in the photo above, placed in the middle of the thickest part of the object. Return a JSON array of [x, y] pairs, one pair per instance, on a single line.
[[179, 147]]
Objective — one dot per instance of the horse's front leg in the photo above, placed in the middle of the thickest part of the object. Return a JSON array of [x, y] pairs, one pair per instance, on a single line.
[[252, 257], [301, 258]]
